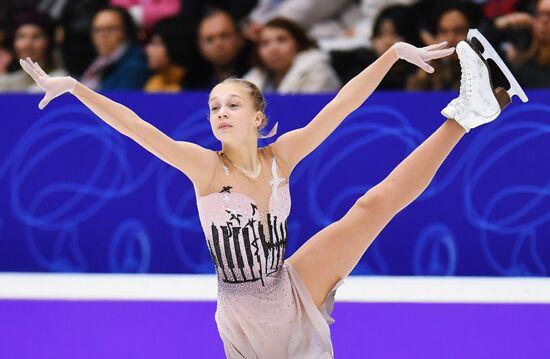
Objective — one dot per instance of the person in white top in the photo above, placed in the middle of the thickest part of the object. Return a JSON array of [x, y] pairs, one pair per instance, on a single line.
[[34, 38], [288, 61], [335, 24]]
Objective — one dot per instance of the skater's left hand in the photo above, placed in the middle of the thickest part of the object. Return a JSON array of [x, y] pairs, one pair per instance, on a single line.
[[419, 55], [53, 86]]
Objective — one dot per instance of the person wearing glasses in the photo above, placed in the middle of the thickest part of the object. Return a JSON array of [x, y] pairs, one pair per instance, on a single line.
[[120, 64]]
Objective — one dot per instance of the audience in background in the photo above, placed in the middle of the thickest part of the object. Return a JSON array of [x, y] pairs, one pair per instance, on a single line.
[[167, 55], [321, 18], [120, 64], [200, 43], [34, 38], [453, 20], [370, 12], [288, 61], [532, 64], [392, 25], [496, 8], [223, 48], [237, 9], [76, 44], [74, 20], [147, 12], [6, 56]]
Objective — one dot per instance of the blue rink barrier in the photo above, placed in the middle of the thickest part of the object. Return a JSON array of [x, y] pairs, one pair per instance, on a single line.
[[77, 196]]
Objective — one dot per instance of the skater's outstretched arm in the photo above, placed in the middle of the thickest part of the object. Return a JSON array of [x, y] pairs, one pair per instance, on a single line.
[[294, 145], [188, 157]]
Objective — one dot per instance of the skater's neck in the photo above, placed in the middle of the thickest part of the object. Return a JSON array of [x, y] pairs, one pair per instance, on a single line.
[[245, 156]]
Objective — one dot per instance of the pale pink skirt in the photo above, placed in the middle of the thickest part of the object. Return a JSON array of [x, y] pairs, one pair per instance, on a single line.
[[280, 322]]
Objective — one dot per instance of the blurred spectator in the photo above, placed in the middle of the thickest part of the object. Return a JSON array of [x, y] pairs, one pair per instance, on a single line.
[[288, 61], [224, 50], [428, 13], [335, 24], [321, 18], [494, 8], [15, 8], [147, 12], [76, 46], [34, 38], [453, 20], [74, 20], [237, 9], [120, 64], [392, 25], [6, 57], [532, 65], [370, 12], [3, 22], [167, 52]]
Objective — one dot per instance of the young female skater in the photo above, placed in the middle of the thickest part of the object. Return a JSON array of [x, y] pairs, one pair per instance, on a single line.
[[268, 306]]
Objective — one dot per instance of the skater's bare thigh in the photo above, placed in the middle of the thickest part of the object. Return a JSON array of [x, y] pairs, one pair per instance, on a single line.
[[333, 252]]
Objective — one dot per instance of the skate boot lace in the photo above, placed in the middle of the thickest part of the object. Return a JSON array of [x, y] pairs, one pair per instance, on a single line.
[[466, 87]]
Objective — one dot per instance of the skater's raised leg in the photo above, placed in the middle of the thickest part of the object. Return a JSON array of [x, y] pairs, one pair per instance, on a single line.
[[333, 252]]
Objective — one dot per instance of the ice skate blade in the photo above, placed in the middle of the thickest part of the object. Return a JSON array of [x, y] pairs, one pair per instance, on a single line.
[[490, 53]]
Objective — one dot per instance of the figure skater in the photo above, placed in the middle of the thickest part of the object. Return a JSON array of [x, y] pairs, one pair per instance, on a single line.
[[269, 306]]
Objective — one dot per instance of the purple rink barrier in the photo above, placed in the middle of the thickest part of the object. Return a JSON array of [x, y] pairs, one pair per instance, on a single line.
[[184, 329]]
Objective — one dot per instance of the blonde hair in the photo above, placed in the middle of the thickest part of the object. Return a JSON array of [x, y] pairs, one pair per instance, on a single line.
[[255, 94]]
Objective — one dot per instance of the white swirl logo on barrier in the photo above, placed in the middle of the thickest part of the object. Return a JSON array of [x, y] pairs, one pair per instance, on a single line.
[[435, 251], [514, 212], [86, 195], [130, 248]]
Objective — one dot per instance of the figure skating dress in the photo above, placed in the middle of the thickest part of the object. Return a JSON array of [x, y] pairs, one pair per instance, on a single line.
[[264, 309]]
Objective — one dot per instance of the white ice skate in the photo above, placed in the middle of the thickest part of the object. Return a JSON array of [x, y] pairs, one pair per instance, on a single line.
[[488, 52], [479, 102]]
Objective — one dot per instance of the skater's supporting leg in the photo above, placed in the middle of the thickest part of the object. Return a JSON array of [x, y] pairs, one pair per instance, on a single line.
[[333, 252]]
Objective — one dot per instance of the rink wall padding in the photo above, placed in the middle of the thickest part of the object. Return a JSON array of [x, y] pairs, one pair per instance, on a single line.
[[77, 196]]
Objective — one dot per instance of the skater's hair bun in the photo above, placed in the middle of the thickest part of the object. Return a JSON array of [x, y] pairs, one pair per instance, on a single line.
[[256, 95]]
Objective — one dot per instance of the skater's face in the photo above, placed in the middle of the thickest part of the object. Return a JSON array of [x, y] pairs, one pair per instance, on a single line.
[[541, 28], [31, 41], [277, 49], [219, 40], [453, 28], [107, 32], [230, 104]]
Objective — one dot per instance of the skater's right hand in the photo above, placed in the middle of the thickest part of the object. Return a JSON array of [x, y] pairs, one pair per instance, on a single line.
[[53, 86], [419, 55]]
